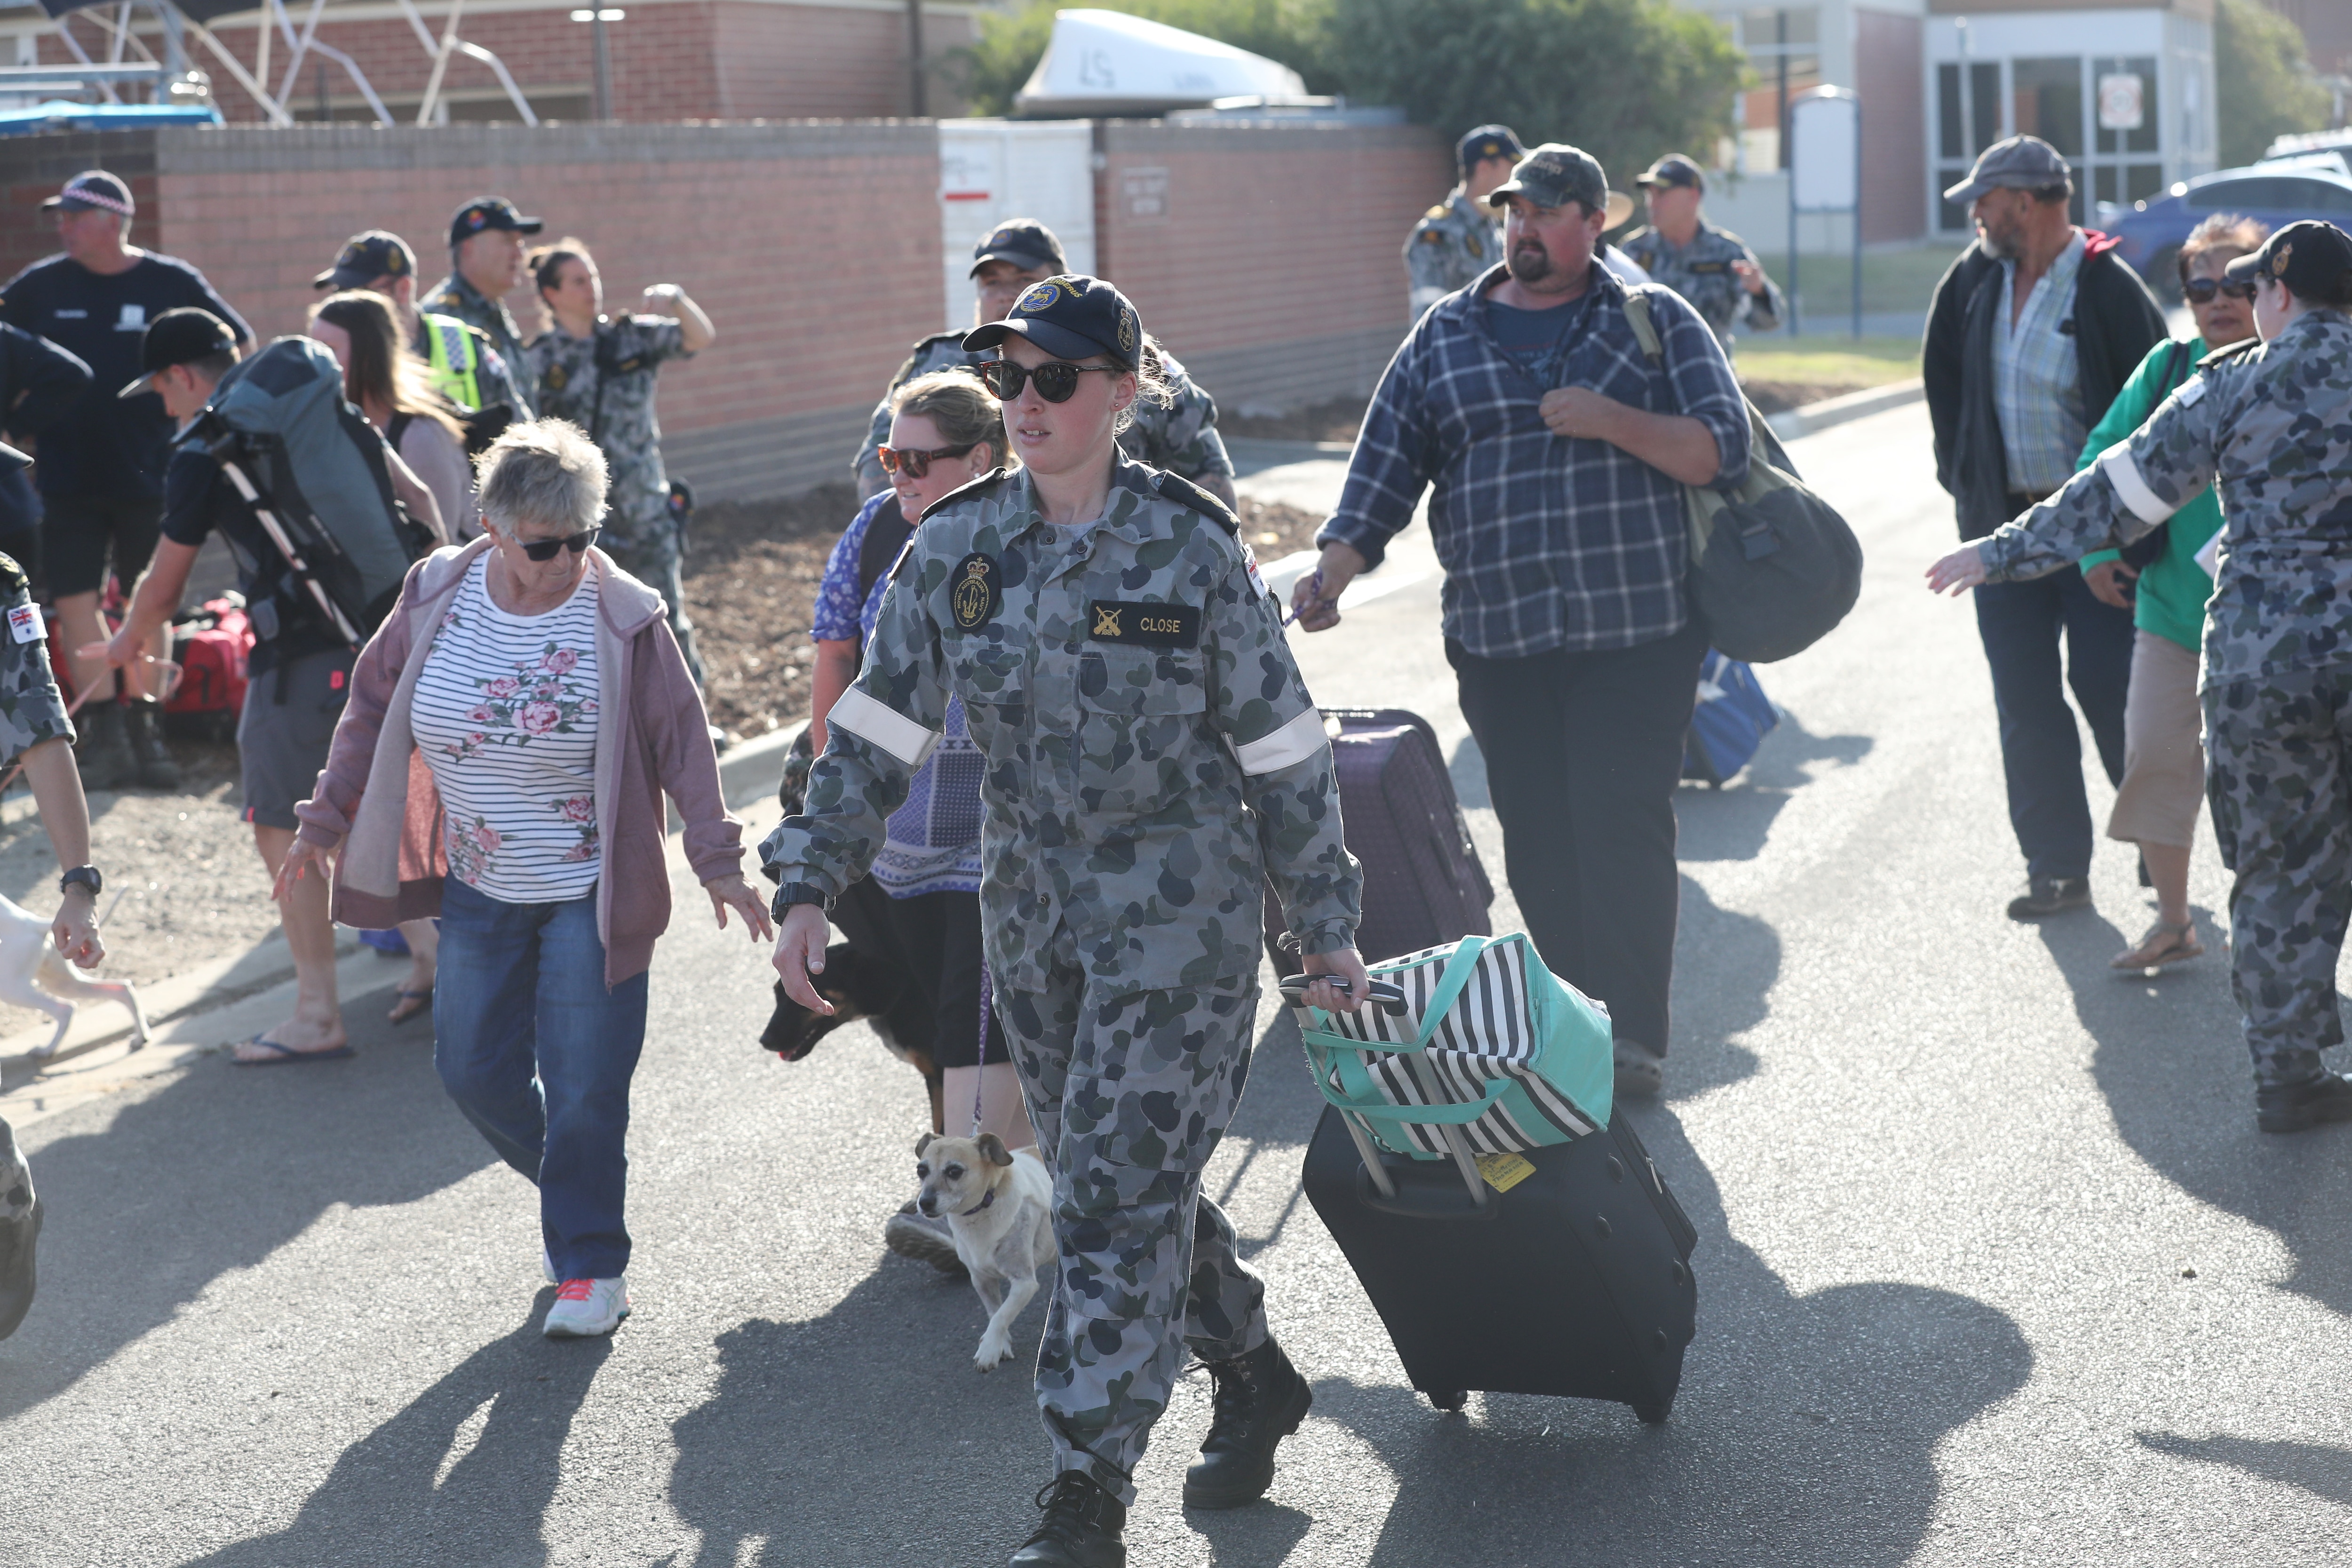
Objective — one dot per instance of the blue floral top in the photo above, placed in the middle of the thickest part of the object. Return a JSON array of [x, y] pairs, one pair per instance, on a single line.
[[932, 845]]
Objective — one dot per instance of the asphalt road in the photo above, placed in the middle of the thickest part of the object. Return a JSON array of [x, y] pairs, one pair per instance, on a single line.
[[1993, 1267]]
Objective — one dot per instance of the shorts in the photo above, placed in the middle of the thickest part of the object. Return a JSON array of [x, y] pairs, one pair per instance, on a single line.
[[2164, 752], [78, 532], [282, 737]]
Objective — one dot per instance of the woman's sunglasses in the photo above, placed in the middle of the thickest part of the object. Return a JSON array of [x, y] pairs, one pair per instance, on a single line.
[[917, 463], [2200, 290], [545, 549], [1056, 379]]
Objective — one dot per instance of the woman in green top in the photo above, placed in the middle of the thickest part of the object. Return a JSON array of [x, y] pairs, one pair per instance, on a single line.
[[2164, 761]]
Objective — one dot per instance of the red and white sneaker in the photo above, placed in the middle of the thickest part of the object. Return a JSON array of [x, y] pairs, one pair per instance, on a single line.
[[585, 1308]]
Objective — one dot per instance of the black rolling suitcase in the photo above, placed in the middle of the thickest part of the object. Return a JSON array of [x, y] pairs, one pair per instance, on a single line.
[[1575, 1280]]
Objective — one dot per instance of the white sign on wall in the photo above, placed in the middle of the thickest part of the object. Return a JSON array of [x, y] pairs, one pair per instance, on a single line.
[[2122, 102], [1825, 130]]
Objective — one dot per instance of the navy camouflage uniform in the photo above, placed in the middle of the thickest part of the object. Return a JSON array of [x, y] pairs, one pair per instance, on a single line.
[[31, 711], [604, 384], [1180, 436], [2270, 425], [1701, 273], [453, 296], [1452, 246], [1152, 755]]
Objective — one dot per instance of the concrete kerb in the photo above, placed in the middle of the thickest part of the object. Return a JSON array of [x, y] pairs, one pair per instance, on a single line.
[[1813, 418]]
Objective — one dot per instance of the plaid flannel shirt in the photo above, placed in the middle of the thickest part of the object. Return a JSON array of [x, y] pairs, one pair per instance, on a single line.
[[2037, 379], [1547, 543]]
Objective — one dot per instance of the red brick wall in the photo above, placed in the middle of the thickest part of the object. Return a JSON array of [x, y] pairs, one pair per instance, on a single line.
[[1267, 235], [1887, 53]]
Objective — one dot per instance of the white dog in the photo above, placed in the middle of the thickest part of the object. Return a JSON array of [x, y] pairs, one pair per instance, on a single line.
[[33, 974], [999, 1207]]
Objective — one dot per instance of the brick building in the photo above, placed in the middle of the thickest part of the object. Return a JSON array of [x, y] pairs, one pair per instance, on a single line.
[[670, 59]]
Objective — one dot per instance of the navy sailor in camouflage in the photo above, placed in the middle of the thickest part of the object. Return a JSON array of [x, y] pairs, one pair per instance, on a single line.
[[1712, 268], [2267, 423], [1153, 760], [1458, 240], [1177, 433]]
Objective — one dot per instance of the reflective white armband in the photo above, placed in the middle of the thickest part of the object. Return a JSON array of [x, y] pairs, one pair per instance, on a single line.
[[2131, 489], [896, 733], [1294, 743]]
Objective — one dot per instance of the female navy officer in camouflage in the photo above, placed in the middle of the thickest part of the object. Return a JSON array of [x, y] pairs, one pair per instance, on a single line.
[[1151, 756], [2268, 424]]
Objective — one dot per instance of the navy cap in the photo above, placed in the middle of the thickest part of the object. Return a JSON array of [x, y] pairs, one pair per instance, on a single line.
[[1674, 169], [490, 212], [94, 190], [1487, 141], [1553, 176], [2019, 163], [179, 336], [365, 258], [2310, 257], [1022, 241], [1069, 318]]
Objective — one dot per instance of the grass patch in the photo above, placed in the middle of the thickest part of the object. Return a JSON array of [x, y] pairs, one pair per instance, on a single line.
[[1829, 361], [1891, 280]]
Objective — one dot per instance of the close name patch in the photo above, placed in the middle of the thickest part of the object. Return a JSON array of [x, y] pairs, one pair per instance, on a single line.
[[1151, 626]]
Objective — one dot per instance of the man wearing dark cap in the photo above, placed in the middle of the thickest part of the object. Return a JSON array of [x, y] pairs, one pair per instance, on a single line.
[[468, 368], [1458, 240], [1562, 515], [2034, 330], [100, 472], [1712, 268], [486, 252], [1180, 436]]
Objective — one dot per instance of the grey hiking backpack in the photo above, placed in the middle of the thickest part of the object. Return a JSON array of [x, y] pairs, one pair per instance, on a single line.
[[313, 471], [1773, 567]]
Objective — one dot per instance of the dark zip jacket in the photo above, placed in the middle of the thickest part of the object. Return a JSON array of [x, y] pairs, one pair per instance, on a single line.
[[2116, 322]]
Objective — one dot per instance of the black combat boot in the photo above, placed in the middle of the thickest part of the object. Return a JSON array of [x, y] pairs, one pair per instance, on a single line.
[[2297, 1107], [1261, 1399], [1083, 1528], [104, 756], [144, 728]]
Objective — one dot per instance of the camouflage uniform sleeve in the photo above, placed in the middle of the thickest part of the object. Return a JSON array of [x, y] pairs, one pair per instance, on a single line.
[[1425, 262], [1189, 446], [1288, 777], [495, 380], [1763, 311], [2130, 490], [878, 734], [31, 711]]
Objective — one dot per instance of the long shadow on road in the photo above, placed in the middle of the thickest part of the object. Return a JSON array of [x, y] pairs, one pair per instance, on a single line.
[[215, 1173]]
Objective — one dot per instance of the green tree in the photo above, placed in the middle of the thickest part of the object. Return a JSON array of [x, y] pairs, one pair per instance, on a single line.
[[994, 70], [2262, 80], [1625, 79]]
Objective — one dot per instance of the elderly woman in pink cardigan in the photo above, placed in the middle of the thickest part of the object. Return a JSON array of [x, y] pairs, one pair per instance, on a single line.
[[510, 731]]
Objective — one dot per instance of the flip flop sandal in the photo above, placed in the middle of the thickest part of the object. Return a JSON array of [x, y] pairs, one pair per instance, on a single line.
[[402, 1012], [286, 1054], [2163, 946]]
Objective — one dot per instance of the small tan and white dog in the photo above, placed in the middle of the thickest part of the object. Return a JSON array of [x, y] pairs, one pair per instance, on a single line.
[[998, 1203], [33, 974]]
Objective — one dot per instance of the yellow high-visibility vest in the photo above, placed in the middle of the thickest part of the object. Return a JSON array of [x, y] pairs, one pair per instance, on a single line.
[[454, 356]]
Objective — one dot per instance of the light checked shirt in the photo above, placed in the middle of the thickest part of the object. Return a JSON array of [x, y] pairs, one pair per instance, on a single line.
[[1547, 542], [2037, 381]]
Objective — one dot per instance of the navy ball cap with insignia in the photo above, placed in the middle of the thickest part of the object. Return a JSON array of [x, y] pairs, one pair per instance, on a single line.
[[488, 212], [1487, 141], [2310, 257], [366, 257], [1022, 241], [1070, 318]]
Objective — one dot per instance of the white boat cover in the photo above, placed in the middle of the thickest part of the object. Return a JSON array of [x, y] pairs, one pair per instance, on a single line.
[[1108, 63]]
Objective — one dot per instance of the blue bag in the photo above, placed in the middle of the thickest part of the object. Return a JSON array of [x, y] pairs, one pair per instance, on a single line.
[[1728, 722]]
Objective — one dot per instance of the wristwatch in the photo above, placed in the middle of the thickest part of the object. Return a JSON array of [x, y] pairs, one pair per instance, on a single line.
[[83, 877], [792, 893]]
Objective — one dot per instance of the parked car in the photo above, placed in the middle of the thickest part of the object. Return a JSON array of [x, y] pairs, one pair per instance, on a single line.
[[2278, 191]]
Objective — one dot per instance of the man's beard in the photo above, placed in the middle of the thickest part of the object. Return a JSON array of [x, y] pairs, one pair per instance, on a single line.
[[1530, 263], [2001, 244]]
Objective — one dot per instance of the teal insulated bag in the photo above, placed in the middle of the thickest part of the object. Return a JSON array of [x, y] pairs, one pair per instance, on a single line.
[[1490, 1054]]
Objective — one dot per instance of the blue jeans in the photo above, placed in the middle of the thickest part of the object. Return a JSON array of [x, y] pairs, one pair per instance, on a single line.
[[2041, 750], [538, 1054]]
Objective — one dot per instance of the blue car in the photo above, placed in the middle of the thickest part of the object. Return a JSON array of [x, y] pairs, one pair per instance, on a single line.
[[2278, 191]]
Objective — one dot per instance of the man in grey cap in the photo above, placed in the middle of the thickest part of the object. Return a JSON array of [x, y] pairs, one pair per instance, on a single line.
[[1710, 266], [1562, 514], [2034, 330], [1180, 438]]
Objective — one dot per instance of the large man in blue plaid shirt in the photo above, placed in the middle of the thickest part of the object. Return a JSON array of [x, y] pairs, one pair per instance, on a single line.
[[1558, 453]]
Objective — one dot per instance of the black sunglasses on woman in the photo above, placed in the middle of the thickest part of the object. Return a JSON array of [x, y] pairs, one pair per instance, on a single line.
[[545, 549], [2200, 290], [916, 463], [1056, 379]]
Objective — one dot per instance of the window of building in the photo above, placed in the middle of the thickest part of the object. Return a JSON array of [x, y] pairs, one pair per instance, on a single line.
[[1783, 45], [1965, 126]]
